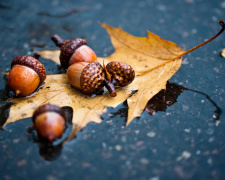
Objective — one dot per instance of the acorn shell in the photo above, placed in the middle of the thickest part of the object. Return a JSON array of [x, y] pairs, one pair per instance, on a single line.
[[49, 108], [121, 73], [32, 63], [88, 77], [67, 49]]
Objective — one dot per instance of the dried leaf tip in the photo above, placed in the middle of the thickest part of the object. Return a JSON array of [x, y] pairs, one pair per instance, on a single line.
[[223, 53]]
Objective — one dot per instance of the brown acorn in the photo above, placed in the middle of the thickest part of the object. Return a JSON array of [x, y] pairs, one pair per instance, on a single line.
[[26, 74], [49, 121], [88, 77], [73, 51], [121, 73]]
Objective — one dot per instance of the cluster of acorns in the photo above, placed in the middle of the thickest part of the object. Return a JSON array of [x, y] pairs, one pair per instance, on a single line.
[[83, 72]]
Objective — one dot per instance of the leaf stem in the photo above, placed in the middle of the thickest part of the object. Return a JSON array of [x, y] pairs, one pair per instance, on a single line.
[[192, 49]]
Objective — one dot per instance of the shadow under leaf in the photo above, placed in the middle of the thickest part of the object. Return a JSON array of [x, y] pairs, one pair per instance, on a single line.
[[168, 97]]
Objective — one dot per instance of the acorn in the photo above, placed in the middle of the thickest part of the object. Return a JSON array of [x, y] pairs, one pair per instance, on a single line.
[[26, 74], [121, 73], [49, 121], [87, 77], [73, 51], [90, 78]]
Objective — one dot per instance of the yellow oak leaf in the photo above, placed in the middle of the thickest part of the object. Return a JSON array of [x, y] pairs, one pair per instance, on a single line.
[[152, 59]]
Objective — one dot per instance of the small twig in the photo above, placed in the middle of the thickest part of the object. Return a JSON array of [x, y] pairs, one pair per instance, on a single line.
[[108, 82], [111, 88]]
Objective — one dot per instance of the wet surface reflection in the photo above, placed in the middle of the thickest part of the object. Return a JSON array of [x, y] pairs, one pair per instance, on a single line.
[[168, 97]]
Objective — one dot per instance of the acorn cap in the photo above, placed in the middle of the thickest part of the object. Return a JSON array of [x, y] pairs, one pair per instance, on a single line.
[[92, 77], [49, 108], [67, 48], [121, 73], [32, 63]]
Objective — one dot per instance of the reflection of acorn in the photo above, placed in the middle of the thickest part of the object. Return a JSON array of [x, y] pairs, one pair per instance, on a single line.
[[73, 51], [121, 73], [26, 74], [87, 77], [49, 152], [49, 121]]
